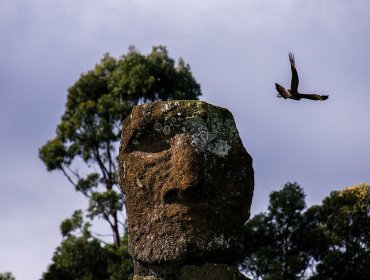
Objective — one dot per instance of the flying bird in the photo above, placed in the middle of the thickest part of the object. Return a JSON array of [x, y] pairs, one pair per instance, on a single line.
[[293, 93]]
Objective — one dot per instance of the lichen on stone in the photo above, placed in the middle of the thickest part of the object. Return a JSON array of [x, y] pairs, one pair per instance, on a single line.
[[158, 127], [220, 148], [168, 105], [166, 130], [214, 134], [123, 169]]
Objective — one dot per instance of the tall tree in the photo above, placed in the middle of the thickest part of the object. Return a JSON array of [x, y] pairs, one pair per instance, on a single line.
[[84, 149], [273, 239], [343, 221]]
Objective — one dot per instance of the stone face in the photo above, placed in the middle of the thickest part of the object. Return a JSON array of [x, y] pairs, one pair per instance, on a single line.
[[188, 182]]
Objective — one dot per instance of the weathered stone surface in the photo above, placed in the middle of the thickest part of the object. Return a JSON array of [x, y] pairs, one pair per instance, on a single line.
[[188, 182], [207, 271]]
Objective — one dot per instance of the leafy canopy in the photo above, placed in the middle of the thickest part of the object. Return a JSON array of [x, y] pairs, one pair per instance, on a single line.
[[273, 238], [344, 221], [328, 241]]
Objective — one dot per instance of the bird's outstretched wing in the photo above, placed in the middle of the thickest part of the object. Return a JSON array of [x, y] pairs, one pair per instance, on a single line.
[[313, 96], [282, 91], [295, 79]]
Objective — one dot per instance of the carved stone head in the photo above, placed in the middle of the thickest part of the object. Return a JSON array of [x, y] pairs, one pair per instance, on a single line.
[[188, 182]]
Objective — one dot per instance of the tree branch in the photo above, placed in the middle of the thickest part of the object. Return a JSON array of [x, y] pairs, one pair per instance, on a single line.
[[68, 177]]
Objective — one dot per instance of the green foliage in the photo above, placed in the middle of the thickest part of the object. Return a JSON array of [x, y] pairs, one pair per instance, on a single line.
[[90, 127], [83, 256], [86, 258], [88, 184], [71, 225], [54, 154], [103, 203], [120, 265], [273, 239], [7, 276], [153, 77], [328, 241], [344, 221], [78, 258]]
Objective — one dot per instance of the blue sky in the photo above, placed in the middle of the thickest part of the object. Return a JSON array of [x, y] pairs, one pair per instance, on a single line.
[[237, 50]]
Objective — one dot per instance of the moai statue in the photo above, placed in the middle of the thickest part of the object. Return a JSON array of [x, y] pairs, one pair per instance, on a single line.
[[189, 184]]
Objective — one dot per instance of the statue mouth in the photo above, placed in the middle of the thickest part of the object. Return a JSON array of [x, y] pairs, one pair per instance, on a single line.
[[184, 213]]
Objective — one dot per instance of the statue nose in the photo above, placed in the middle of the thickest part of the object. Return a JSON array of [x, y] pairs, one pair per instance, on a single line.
[[185, 174]]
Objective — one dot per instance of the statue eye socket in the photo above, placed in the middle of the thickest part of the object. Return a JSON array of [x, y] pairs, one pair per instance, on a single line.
[[152, 138], [148, 145]]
